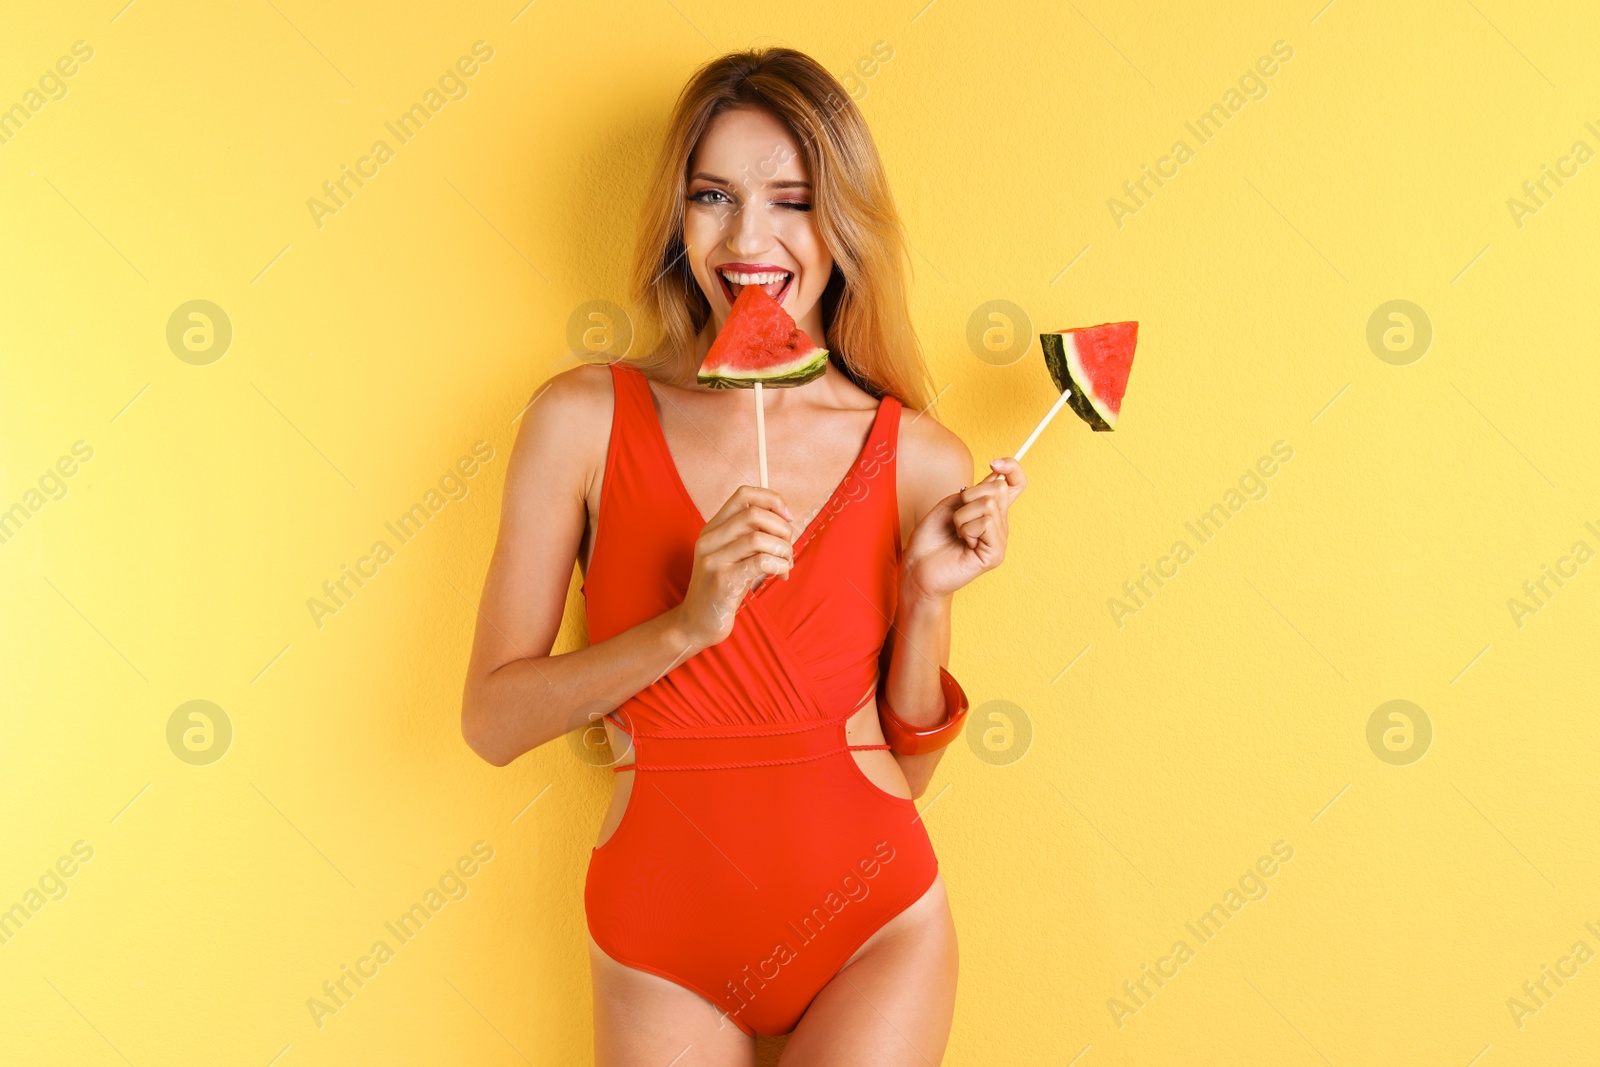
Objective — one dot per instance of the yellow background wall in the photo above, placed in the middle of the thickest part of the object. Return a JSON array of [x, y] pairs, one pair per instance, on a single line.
[[1169, 747]]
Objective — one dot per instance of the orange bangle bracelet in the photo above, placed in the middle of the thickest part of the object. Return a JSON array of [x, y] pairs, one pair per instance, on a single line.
[[910, 740]]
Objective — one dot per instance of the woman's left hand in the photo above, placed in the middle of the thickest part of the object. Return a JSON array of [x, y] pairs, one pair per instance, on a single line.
[[963, 536]]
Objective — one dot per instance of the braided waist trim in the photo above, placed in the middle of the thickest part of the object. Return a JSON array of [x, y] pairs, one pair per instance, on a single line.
[[785, 738], [750, 763]]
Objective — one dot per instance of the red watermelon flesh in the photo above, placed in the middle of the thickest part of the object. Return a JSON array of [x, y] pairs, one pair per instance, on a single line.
[[759, 342], [1091, 364]]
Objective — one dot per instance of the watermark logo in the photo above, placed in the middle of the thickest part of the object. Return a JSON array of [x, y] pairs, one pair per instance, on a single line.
[[453, 486], [999, 332], [339, 191], [199, 732], [1537, 592], [599, 331], [865, 69], [199, 332], [52, 485], [1140, 591], [999, 732], [1537, 992], [1137, 993], [853, 887], [51, 87], [1399, 332], [51, 885], [1399, 732], [1137, 192], [1537, 192], [591, 742], [452, 887]]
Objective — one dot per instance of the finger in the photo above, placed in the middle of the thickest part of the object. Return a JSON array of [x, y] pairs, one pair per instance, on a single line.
[[994, 485], [736, 579], [985, 516], [987, 506], [748, 495], [982, 528], [752, 569], [985, 543], [759, 542], [740, 558], [993, 488], [1008, 469], [962, 513], [718, 535]]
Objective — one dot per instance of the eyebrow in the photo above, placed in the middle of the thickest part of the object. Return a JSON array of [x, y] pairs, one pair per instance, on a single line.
[[788, 183]]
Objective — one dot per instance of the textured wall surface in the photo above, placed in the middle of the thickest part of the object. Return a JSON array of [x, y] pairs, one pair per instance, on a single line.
[[1190, 826]]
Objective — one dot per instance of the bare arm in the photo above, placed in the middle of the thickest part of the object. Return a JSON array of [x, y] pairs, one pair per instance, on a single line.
[[517, 696], [919, 646], [960, 533]]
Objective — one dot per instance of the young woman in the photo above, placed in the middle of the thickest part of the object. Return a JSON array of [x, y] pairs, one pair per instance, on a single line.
[[770, 663]]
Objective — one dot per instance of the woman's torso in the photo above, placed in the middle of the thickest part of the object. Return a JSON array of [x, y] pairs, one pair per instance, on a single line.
[[812, 458]]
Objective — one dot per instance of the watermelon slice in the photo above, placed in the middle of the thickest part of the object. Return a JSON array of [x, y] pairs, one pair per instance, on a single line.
[[1091, 365], [759, 342]]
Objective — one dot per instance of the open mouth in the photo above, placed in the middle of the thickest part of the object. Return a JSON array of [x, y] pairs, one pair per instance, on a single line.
[[776, 283]]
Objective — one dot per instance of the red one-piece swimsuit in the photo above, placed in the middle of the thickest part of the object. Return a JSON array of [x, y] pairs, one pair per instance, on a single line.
[[754, 856]]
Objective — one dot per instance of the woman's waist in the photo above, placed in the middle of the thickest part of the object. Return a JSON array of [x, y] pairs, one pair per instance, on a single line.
[[712, 747]]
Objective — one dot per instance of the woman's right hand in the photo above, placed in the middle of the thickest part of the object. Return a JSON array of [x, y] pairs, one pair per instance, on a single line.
[[749, 539]]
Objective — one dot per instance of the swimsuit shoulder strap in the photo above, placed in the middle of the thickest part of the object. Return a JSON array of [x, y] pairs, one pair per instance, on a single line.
[[636, 465], [628, 387]]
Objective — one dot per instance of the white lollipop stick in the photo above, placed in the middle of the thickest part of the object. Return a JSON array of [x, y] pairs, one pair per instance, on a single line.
[[761, 437], [1037, 430], [1060, 400]]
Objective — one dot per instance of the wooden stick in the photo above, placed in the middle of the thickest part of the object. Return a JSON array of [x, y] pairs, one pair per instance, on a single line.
[[1061, 402], [761, 437]]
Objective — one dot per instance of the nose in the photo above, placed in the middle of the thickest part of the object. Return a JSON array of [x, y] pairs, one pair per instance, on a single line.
[[750, 231]]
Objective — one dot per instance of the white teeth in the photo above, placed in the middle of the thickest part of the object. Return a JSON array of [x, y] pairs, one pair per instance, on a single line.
[[754, 279]]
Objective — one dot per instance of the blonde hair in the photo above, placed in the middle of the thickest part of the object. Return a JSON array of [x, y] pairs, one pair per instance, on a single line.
[[865, 316]]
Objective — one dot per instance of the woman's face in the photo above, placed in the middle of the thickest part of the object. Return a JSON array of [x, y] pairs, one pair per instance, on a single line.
[[748, 218]]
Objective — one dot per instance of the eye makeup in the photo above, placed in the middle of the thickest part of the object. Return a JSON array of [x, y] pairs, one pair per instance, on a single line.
[[703, 197]]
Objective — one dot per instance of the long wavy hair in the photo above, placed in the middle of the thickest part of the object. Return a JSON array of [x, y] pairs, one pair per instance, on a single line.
[[865, 316]]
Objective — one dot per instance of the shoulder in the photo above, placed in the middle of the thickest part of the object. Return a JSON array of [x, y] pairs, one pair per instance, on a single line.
[[569, 405], [565, 426], [933, 461]]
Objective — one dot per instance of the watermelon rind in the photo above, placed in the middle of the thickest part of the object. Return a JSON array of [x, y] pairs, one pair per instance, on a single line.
[[1061, 357], [760, 343], [797, 372]]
